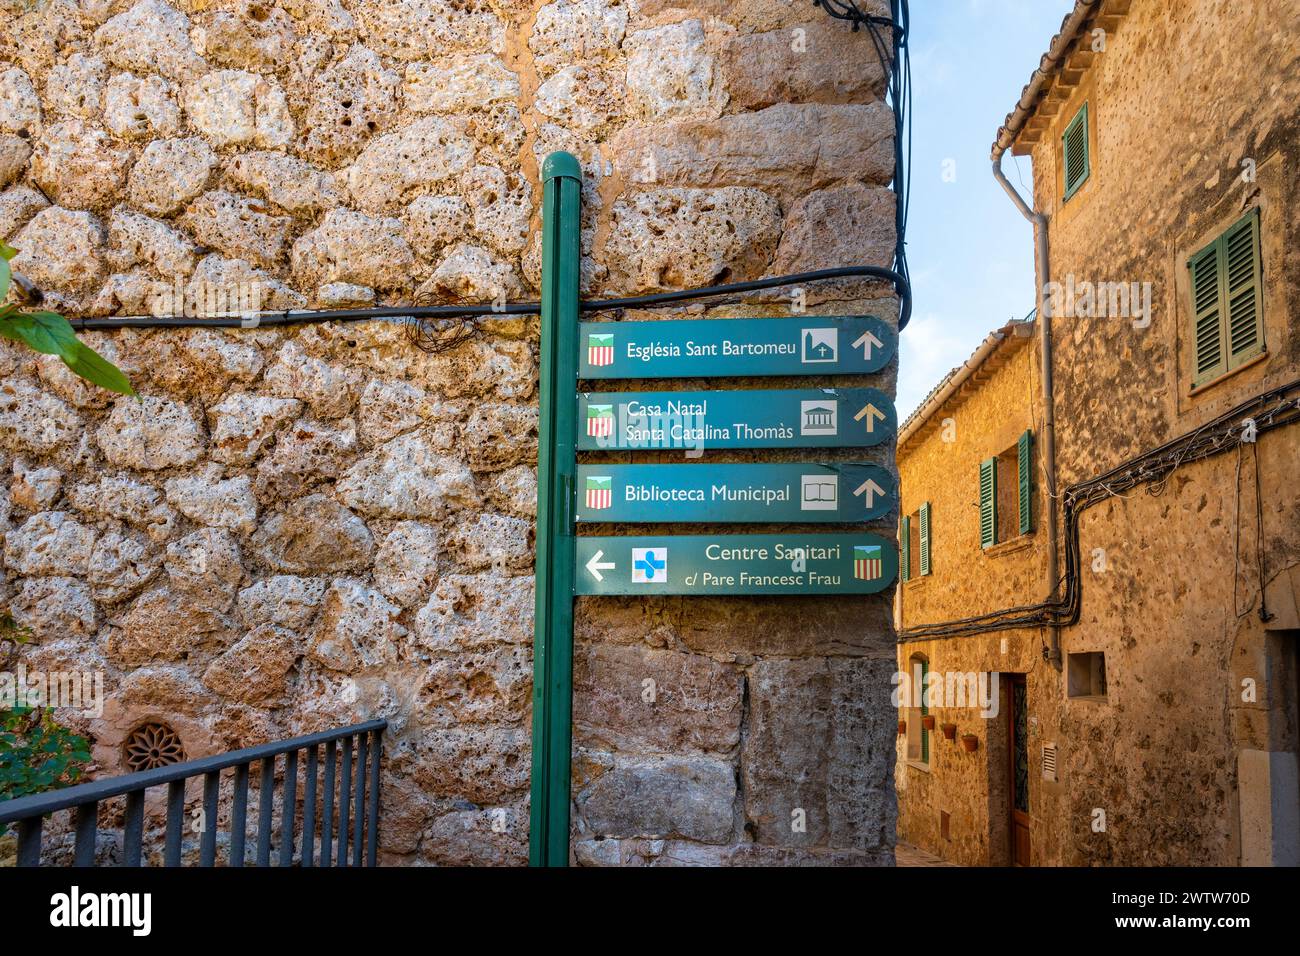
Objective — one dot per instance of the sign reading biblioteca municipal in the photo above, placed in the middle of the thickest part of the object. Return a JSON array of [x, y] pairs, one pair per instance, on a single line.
[[691, 348], [762, 418], [799, 492], [735, 564]]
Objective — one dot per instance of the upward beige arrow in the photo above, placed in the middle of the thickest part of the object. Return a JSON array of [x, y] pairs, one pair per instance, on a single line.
[[870, 413], [869, 489]]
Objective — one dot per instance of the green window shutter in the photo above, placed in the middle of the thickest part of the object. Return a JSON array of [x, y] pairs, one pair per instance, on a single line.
[[925, 538], [988, 503], [1074, 152], [925, 734], [1209, 359], [905, 541], [1025, 460], [1243, 283]]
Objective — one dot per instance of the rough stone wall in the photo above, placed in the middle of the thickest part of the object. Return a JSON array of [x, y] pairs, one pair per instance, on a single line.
[[966, 579], [299, 527]]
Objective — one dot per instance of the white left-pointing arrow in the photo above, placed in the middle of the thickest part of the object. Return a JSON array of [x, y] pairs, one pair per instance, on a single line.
[[866, 341], [595, 565], [870, 489]]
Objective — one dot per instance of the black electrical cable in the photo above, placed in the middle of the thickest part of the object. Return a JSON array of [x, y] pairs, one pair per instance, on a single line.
[[1275, 408], [659, 299]]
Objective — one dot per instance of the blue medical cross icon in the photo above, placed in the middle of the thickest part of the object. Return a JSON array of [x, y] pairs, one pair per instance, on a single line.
[[650, 564]]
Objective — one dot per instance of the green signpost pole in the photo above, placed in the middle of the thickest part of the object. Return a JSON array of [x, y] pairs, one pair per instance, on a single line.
[[548, 843]]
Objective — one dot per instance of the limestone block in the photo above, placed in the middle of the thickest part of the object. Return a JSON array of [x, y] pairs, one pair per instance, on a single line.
[[847, 223], [485, 763], [34, 489], [150, 37], [54, 607], [124, 499], [491, 686], [306, 454], [672, 75], [409, 29], [491, 836], [674, 238], [474, 611], [76, 88], [434, 222], [357, 628], [253, 36], [684, 797], [515, 489], [120, 566], [162, 625], [500, 434], [470, 274], [14, 154], [139, 240], [61, 250], [150, 433], [581, 98], [353, 247], [458, 83], [819, 741], [570, 30], [349, 103], [256, 669], [502, 205], [314, 535], [141, 107], [234, 107], [225, 286], [407, 478], [285, 600], [208, 500], [342, 295], [49, 543], [827, 65], [205, 566], [244, 425], [20, 107], [406, 565], [292, 184], [787, 149], [20, 204], [492, 540], [33, 420], [391, 408], [696, 702], [397, 166], [169, 173], [239, 226]]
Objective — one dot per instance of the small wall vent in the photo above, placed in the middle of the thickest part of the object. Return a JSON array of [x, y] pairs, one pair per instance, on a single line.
[[1049, 762]]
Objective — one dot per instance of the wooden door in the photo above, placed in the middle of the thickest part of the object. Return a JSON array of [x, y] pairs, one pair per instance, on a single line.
[[1018, 760]]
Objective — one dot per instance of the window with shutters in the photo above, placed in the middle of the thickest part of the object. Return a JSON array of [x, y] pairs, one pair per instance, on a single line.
[[1226, 282], [1076, 164], [914, 542], [918, 738], [1006, 485]]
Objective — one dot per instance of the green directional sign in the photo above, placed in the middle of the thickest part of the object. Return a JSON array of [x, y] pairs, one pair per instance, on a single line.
[[787, 418], [691, 348], [735, 564], [814, 493]]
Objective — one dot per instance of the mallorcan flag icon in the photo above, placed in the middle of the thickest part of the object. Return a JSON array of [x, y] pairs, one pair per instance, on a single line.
[[867, 563], [600, 420], [600, 350], [600, 493]]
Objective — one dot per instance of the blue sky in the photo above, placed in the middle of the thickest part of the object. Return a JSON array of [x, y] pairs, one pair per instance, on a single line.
[[970, 252]]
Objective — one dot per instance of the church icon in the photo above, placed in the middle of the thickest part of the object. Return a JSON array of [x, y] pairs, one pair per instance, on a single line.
[[820, 346]]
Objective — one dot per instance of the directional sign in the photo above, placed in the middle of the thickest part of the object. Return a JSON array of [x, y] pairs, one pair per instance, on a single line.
[[736, 564], [794, 418], [849, 491], [692, 348]]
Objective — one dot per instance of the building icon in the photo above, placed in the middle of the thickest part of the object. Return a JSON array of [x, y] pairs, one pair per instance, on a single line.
[[819, 417]]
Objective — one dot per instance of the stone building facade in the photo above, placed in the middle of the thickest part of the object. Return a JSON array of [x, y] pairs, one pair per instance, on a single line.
[[298, 527], [1162, 134]]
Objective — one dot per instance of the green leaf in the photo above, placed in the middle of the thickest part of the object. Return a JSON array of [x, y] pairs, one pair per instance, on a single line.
[[96, 369], [46, 332], [7, 251], [5, 275]]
